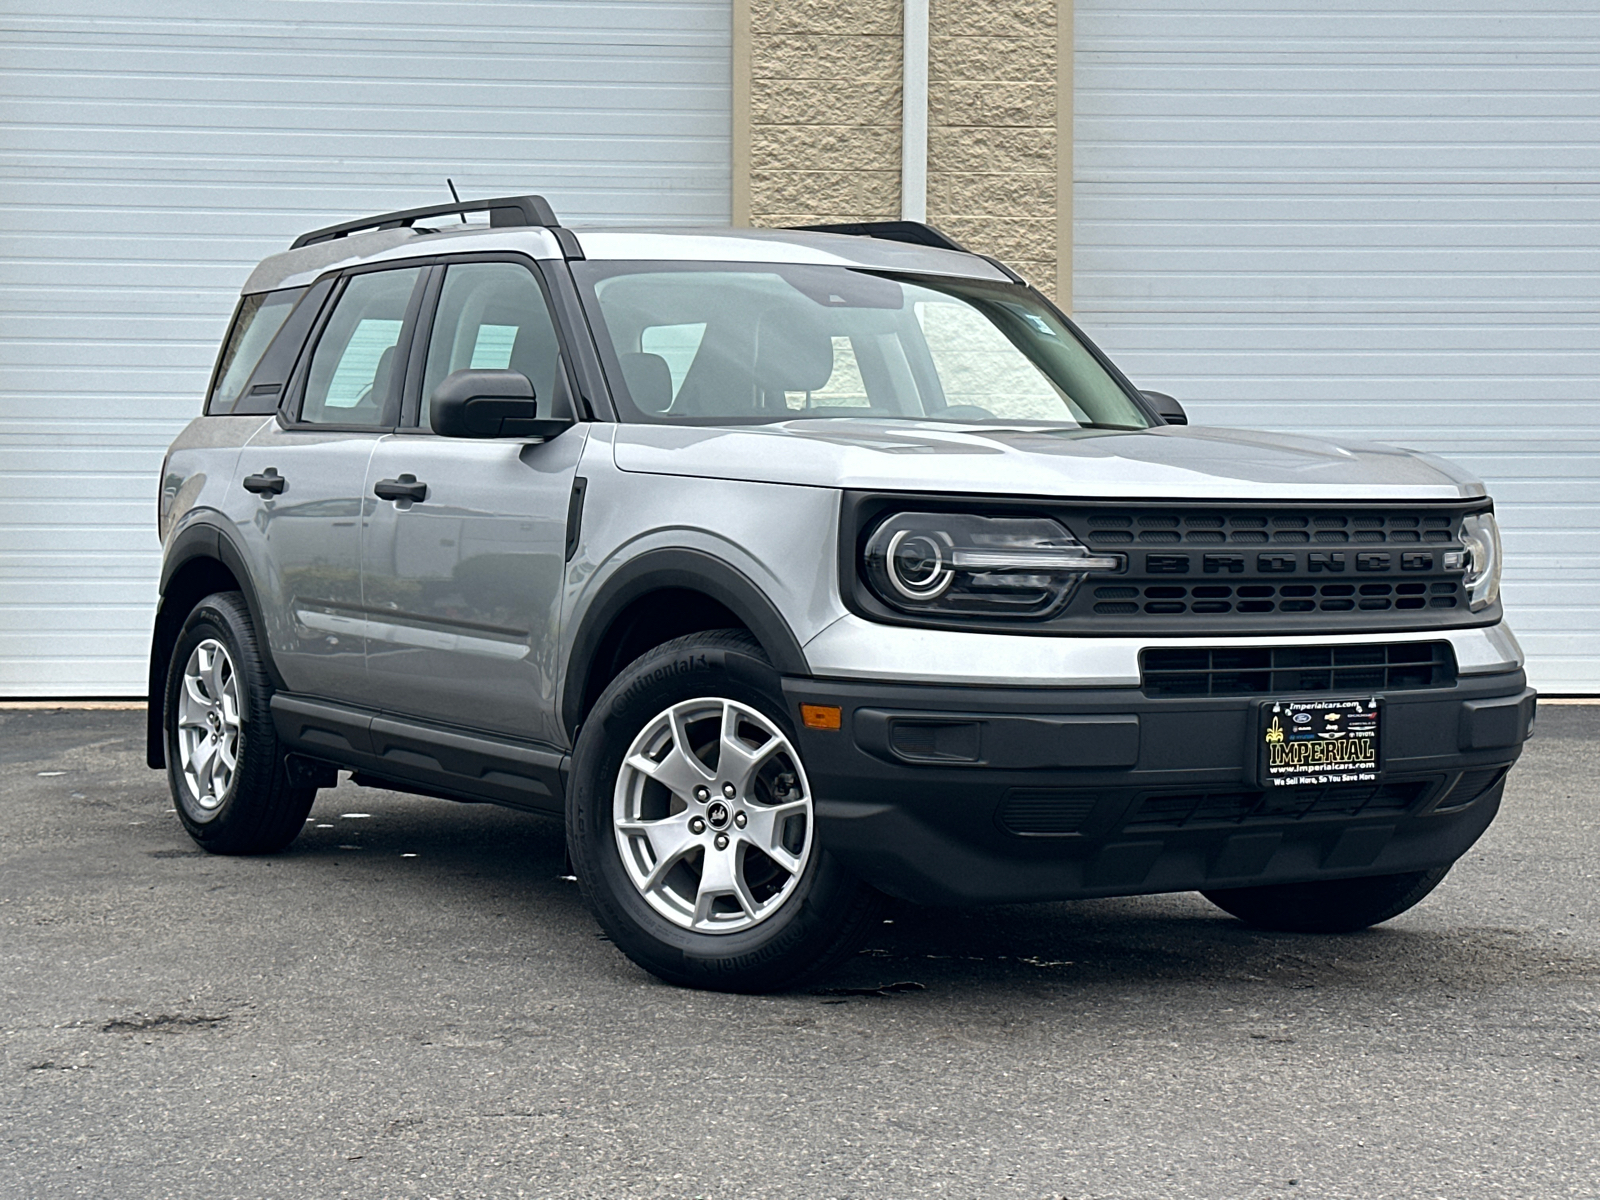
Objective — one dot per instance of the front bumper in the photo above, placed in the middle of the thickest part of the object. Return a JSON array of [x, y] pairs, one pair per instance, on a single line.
[[970, 795]]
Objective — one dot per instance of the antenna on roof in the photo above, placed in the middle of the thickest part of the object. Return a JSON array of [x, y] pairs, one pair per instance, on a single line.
[[505, 212], [456, 196]]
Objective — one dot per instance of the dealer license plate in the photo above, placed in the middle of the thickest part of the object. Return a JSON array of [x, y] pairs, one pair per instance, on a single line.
[[1319, 742]]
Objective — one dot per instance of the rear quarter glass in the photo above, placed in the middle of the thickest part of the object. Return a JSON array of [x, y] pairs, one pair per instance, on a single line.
[[256, 323]]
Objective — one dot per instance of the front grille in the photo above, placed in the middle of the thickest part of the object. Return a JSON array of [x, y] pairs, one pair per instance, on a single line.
[[1236, 567], [1265, 527], [1296, 670], [1186, 809], [1251, 598]]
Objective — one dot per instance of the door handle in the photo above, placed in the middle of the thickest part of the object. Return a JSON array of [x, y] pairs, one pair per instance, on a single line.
[[404, 488], [268, 483]]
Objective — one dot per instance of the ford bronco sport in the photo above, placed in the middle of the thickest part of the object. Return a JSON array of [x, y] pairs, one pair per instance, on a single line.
[[795, 567]]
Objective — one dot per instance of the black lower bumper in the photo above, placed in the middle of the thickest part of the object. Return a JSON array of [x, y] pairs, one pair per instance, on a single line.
[[952, 795]]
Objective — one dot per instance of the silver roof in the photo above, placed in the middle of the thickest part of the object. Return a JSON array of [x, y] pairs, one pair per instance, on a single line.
[[295, 268]]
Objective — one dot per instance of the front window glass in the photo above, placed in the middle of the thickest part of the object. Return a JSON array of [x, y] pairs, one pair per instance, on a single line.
[[492, 317], [257, 322], [355, 370], [728, 344]]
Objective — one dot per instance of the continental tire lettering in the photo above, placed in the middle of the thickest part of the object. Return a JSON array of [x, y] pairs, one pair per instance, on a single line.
[[681, 666]]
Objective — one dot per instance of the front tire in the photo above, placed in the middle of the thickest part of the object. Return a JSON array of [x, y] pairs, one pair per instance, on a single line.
[[224, 763], [692, 828], [1328, 906]]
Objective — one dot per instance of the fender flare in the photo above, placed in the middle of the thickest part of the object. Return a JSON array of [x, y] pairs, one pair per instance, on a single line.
[[691, 570], [201, 539]]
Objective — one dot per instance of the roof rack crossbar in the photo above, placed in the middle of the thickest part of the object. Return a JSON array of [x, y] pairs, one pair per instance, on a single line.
[[917, 233], [504, 211]]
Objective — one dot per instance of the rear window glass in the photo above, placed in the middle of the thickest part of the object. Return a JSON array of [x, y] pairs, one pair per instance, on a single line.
[[255, 324]]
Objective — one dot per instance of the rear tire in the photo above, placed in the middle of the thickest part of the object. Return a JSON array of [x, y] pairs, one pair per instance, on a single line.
[[686, 774], [224, 763], [1330, 906]]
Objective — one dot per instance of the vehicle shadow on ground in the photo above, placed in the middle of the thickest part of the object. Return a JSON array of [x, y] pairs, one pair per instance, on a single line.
[[1181, 940], [477, 859], [464, 852]]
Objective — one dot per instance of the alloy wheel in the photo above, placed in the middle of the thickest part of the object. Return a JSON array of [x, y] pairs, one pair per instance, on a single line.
[[208, 726], [713, 815]]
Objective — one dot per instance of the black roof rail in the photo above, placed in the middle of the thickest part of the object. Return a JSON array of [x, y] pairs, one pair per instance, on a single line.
[[504, 211], [917, 233]]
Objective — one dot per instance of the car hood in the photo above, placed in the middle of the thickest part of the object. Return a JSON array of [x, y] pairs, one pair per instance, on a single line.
[[1169, 462]]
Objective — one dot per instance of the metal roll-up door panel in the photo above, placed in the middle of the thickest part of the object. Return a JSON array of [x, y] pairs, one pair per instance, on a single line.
[[154, 153], [1364, 222]]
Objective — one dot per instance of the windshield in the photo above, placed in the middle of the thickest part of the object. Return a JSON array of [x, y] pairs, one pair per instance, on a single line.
[[722, 344]]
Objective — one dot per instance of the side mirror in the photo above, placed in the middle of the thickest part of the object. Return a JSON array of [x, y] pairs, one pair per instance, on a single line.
[[489, 404], [1168, 409]]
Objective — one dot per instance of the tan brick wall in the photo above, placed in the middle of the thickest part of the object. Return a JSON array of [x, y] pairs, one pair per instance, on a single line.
[[824, 100], [993, 144], [817, 115]]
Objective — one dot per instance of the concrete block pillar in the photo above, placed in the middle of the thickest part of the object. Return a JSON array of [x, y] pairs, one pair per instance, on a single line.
[[1000, 134], [817, 121], [823, 142]]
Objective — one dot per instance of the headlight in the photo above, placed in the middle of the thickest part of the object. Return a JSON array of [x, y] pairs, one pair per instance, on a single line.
[[982, 566], [1481, 536]]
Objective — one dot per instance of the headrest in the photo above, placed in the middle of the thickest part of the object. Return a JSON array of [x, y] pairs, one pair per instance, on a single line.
[[792, 353], [649, 382], [382, 377]]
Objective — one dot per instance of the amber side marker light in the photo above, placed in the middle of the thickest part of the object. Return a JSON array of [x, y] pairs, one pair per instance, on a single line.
[[820, 716]]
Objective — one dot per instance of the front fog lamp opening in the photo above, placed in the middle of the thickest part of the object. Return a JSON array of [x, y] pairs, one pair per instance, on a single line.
[[963, 564]]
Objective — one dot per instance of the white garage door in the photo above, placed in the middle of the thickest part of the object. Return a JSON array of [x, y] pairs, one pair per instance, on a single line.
[[151, 153], [1373, 220]]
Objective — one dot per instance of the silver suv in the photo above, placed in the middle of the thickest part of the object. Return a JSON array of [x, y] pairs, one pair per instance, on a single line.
[[795, 567]]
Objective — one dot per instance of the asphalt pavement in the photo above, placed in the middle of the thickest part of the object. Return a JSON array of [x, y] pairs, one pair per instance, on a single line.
[[412, 1002]]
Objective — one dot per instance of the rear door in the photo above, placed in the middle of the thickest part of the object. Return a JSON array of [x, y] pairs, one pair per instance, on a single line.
[[463, 586], [300, 499]]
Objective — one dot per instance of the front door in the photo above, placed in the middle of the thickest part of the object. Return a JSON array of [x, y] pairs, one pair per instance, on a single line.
[[463, 585], [302, 499]]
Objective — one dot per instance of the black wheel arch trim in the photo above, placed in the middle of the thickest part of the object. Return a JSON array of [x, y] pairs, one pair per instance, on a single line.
[[202, 539], [681, 569]]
